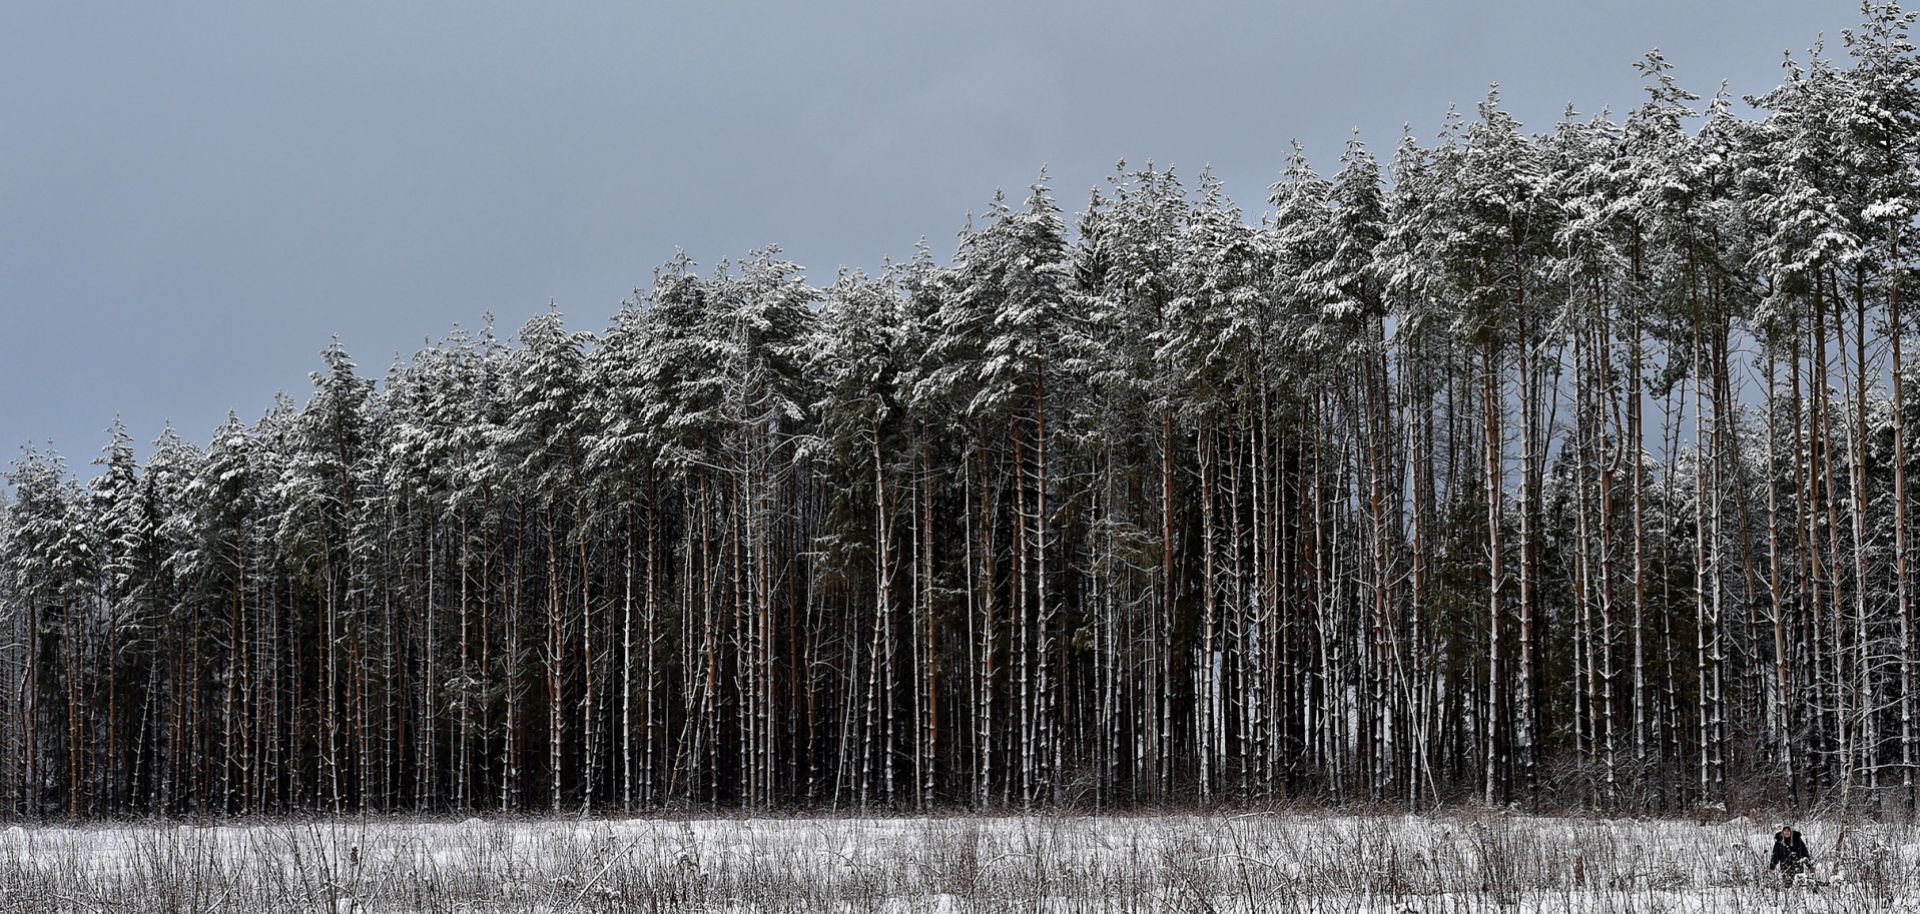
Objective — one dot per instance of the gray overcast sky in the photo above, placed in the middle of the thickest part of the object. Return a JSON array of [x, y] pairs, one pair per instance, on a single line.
[[194, 197]]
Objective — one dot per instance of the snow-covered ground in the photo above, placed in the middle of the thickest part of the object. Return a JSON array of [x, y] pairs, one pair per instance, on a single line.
[[1453, 863]]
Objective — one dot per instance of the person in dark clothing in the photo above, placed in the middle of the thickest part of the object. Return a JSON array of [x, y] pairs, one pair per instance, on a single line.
[[1789, 853]]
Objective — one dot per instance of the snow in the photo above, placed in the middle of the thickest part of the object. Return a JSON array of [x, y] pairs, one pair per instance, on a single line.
[[1246, 862]]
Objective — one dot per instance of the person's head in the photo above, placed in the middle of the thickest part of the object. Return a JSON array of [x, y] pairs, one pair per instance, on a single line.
[[1786, 831]]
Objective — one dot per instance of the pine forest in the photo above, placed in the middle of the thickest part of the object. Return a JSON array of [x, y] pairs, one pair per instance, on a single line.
[[1562, 467]]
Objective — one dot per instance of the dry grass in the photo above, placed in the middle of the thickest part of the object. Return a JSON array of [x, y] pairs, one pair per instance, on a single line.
[[1252, 862]]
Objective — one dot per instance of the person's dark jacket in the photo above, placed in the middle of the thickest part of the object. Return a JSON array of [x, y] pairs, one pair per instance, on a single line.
[[1787, 850]]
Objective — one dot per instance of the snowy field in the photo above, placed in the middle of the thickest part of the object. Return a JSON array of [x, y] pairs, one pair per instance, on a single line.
[[1255, 862]]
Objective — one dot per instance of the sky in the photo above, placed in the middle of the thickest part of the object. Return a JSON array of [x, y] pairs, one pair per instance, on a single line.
[[194, 198]]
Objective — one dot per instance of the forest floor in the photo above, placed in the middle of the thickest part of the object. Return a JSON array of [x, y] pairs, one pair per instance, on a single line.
[[1443, 864]]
